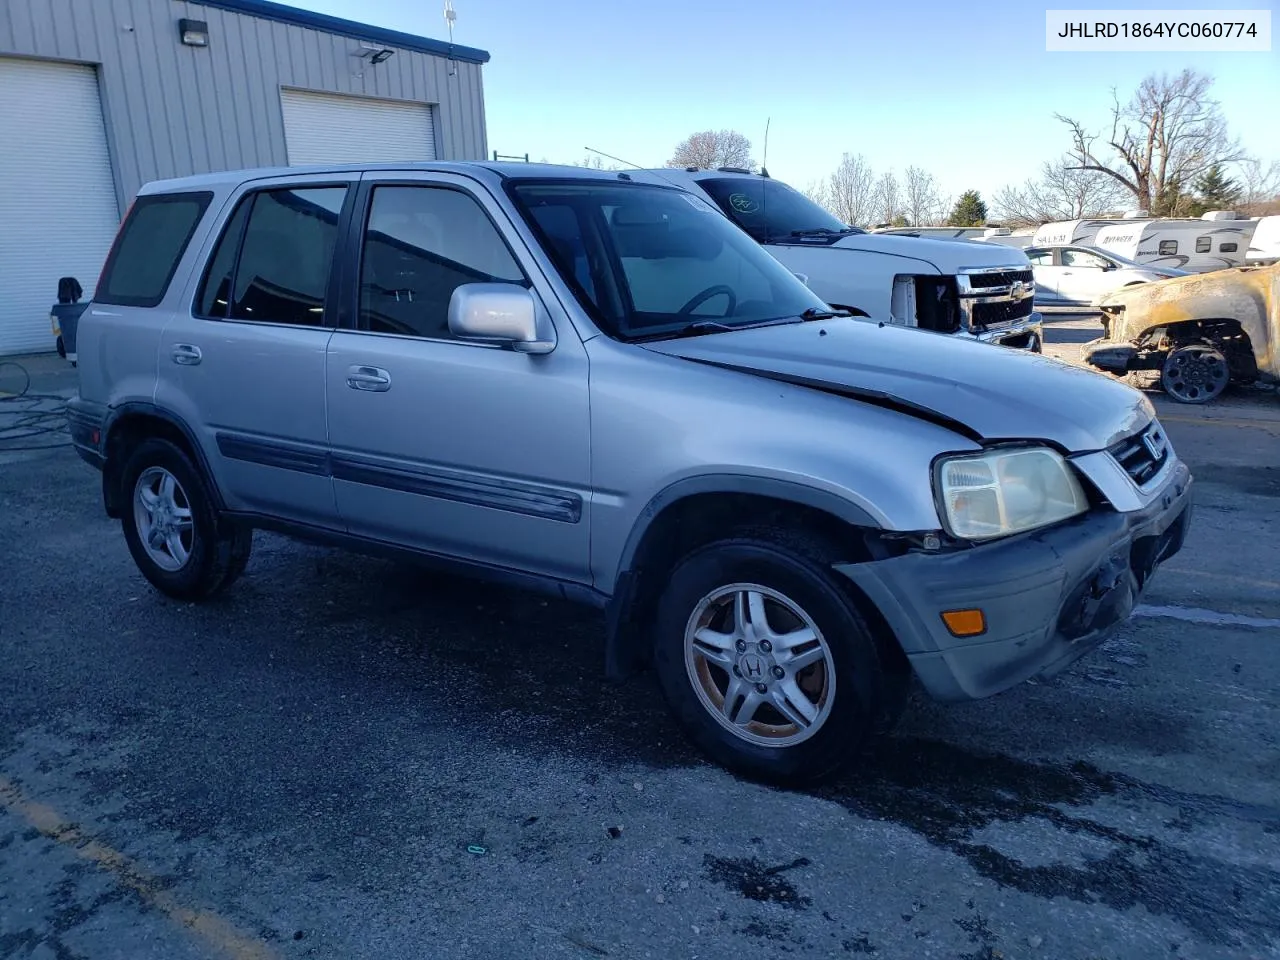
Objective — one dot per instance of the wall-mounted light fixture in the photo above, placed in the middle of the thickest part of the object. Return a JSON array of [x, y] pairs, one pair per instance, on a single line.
[[194, 33], [375, 54]]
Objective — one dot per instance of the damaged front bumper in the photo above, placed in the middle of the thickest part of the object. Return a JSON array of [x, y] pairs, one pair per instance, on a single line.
[[1048, 597], [1109, 356], [1024, 334]]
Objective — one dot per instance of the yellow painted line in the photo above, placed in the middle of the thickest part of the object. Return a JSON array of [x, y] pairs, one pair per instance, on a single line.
[[211, 928]]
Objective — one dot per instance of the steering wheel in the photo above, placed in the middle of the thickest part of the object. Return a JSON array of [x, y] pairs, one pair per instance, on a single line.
[[716, 291]]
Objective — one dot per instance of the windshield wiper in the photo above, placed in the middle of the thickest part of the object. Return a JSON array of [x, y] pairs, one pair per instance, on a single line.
[[702, 327], [824, 232], [696, 329], [813, 313]]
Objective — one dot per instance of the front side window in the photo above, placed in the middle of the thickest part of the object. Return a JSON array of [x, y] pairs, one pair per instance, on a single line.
[[769, 210], [145, 255], [1082, 259], [422, 243], [273, 260], [650, 261], [1040, 258], [1168, 248]]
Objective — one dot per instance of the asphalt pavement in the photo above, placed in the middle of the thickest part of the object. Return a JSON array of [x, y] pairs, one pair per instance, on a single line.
[[346, 758]]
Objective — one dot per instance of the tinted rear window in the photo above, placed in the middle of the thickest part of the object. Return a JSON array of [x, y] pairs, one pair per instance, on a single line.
[[150, 244]]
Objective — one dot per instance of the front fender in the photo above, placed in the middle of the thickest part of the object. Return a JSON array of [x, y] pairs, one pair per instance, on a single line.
[[773, 487]]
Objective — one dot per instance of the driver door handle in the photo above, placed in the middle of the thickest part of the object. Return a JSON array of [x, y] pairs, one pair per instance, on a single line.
[[186, 354], [373, 379]]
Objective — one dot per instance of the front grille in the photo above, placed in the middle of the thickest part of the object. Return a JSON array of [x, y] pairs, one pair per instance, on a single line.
[[1001, 278], [1005, 311], [1142, 455]]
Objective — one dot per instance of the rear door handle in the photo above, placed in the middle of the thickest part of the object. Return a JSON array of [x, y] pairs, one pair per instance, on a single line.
[[368, 378], [186, 354]]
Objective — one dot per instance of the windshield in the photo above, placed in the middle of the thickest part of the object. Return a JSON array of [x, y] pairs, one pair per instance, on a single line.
[[1115, 258], [649, 261], [769, 210]]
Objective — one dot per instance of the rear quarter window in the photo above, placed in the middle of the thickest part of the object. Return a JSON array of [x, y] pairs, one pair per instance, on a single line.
[[148, 247]]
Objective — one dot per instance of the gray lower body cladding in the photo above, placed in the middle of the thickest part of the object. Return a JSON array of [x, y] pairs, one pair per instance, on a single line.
[[1048, 597]]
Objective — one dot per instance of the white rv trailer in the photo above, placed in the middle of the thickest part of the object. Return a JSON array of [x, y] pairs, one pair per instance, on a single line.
[[1196, 246], [1264, 246], [936, 233], [1001, 235], [1022, 239], [1068, 233]]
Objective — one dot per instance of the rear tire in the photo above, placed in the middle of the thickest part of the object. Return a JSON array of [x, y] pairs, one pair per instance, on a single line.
[[172, 528], [736, 697]]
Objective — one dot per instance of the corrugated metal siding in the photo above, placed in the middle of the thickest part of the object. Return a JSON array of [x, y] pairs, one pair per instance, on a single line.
[[173, 110]]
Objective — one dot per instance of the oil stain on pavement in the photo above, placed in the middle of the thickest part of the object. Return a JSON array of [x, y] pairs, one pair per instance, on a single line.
[[950, 795]]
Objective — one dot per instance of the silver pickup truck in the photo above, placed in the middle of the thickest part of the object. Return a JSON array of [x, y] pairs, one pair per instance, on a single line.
[[594, 384]]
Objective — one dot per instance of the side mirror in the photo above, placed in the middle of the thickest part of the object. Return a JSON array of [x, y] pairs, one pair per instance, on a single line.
[[803, 278], [501, 312], [1108, 267]]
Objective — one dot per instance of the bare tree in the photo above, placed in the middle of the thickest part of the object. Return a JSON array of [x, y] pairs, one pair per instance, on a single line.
[[595, 163], [851, 190], [819, 191], [888, 199], [1260, 187], [1169, 133], [1062, 192], [922, 206], [709, 149]]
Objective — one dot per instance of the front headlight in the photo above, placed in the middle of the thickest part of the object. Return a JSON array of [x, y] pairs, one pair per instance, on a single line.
[[1007, 491]]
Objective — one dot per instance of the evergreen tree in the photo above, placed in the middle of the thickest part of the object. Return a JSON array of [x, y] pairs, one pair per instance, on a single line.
[[1216, 190], [969, 211]]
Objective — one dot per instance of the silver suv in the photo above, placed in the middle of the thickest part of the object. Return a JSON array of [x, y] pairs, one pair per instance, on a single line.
[[595, 384]]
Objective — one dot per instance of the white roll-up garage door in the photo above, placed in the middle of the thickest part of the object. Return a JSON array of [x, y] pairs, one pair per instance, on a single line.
[[58, 210], [334, 128]]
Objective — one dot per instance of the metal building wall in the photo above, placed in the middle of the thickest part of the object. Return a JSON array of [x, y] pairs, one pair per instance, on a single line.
[[173, 110]]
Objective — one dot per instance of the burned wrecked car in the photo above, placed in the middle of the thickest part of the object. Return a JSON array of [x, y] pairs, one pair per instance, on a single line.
[[1193, 335]]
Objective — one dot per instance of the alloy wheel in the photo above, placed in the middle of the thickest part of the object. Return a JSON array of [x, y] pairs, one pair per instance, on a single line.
[[162, 514], [759, 664]]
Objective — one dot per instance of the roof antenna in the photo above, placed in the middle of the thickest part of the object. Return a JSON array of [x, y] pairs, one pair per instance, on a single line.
[[630, 164], [612, 157], [450, 17], [764, 191], [764, 163]]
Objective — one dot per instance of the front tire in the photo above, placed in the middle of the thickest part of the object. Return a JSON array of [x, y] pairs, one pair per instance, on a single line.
[[172, 528], [767, 664], [1195, 373]]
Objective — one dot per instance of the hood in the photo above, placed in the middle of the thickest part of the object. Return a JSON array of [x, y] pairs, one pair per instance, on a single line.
[[987, 391], [1176, 288], [949, 256]]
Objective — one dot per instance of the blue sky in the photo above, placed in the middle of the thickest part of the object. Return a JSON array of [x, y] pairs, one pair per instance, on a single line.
[[963, 89]]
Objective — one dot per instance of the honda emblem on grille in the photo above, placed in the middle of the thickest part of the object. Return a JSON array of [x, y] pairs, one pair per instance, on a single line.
[[1155, 443]]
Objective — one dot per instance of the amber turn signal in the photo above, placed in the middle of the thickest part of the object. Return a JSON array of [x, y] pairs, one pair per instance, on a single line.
[[965, 623]]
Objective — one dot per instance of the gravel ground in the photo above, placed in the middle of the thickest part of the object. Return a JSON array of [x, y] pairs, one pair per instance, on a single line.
[[345, 758]]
